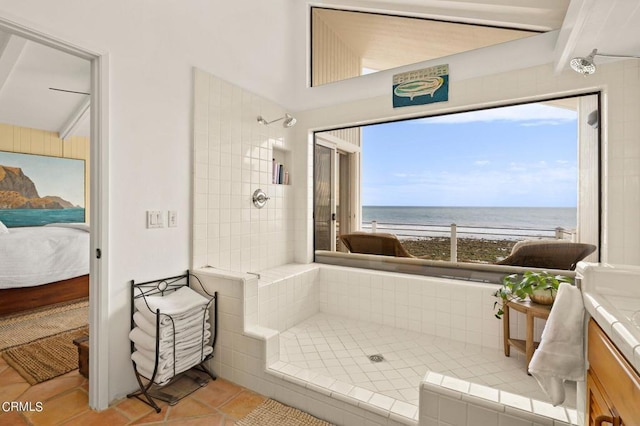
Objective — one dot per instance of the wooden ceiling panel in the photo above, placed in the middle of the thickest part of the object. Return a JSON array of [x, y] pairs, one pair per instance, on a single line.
[[385, 41]]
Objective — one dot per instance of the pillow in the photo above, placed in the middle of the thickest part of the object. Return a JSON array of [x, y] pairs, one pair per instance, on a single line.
[[3, 228]]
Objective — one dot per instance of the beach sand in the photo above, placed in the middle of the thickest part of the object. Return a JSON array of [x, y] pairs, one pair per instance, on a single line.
[[469, 249]]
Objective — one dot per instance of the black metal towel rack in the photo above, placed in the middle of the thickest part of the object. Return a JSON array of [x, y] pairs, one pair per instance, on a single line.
[[183, 383]]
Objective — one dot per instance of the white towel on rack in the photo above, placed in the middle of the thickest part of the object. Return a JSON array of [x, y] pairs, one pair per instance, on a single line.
[[165, 319], [560, 355], [183, 357], [166, 330], [145, 341], [174, 303], [165, 371]]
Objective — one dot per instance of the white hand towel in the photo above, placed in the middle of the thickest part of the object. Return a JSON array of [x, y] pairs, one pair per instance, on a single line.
[[560, 355], [174, 303]]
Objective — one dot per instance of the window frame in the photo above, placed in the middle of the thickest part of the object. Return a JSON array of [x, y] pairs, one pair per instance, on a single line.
[[458, 270]]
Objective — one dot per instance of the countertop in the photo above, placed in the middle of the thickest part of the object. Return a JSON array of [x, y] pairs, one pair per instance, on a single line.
[[611, 295]]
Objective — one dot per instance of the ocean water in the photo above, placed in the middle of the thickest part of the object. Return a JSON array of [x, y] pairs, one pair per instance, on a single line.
[[472, 222], [14, 218]]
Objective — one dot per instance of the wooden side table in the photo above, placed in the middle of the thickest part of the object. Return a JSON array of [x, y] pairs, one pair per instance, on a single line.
[[531, 310]]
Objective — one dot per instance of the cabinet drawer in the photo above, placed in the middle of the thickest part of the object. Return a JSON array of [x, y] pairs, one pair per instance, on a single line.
[[620, 382]]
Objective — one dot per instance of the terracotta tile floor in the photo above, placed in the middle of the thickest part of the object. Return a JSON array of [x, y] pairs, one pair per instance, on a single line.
[[64, 402]]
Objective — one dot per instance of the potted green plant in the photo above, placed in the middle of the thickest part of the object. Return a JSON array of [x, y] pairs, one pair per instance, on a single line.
[[540, 287]]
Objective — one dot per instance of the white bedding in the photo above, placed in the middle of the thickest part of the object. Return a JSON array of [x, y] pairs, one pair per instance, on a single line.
[[43, 254]]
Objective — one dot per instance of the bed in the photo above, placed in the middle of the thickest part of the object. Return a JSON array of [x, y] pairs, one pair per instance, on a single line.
[[43, 265]]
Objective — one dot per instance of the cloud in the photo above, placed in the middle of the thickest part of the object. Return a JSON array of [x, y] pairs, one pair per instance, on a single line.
[[481, 162], [528, 114]]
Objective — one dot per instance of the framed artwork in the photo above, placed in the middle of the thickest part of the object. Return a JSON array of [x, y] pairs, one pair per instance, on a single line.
[[421, 87], [36, 190]]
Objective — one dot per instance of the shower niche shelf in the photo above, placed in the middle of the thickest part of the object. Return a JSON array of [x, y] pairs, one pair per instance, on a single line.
[[280, 167]]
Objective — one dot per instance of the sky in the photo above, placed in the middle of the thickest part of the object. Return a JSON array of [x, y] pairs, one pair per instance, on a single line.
[[520, 156], [62, 177]]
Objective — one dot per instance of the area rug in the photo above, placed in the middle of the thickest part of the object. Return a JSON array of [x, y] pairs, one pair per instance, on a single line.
[[46, 358], [19, 329], [273, 413]]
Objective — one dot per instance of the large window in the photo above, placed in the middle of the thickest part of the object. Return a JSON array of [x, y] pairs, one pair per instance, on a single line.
[[463, 187]]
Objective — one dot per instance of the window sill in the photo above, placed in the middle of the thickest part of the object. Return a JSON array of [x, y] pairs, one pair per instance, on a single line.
[[479, 272]]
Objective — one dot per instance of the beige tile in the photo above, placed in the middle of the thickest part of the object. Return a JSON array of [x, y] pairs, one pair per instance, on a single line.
[[242, 404], [217, 392], [46, 390], [133, 408], [10, 376], [11, 391], [12, 418], [60, 408], [109, 417], [153, 417], [189, 407]]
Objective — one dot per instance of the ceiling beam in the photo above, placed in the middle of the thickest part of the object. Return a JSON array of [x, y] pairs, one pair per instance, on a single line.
[[75, 120], [572, 27], [9, 57]]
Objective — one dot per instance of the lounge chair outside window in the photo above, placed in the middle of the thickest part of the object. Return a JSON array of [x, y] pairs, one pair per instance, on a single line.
[[374, 243], [552, 254]]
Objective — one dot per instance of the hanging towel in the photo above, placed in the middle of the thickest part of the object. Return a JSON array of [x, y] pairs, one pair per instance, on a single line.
[[175, 303], [560, 355]]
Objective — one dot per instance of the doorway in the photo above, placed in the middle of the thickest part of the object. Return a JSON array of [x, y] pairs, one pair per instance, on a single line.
[[98, 215], [335, 200]]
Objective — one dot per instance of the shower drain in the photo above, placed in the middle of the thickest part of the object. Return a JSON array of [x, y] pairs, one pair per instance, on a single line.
[[376, 358]]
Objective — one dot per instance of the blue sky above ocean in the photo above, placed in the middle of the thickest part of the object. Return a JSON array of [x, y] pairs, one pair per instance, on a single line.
[[520, 156]]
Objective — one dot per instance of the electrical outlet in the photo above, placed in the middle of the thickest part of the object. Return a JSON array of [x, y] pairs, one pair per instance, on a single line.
[[173, 218], [155, 219]]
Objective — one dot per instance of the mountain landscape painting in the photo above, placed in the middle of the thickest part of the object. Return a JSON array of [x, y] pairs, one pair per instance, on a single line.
[[36, 190]]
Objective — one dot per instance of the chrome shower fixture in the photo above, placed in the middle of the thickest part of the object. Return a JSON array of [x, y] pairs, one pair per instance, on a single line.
[[587, 66], [289, 120]]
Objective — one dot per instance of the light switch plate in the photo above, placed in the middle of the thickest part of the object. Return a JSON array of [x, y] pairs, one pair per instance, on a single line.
[[173, 218], [155, 219]]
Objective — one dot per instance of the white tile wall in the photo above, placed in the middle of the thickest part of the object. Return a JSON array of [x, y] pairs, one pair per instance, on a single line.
[[232, 158], [452, 309]]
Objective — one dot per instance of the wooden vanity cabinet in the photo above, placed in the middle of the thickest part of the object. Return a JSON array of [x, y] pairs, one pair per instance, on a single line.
[[613, 386]]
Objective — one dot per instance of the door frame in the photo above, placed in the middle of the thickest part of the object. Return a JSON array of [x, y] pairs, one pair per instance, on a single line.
[[99, 201], [339, 147]]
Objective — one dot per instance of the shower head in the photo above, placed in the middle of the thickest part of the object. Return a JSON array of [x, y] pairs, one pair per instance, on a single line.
[[586, 66], [289, 120]]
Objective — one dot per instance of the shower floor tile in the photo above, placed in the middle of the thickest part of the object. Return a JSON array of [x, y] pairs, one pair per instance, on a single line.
[[340, 347]]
